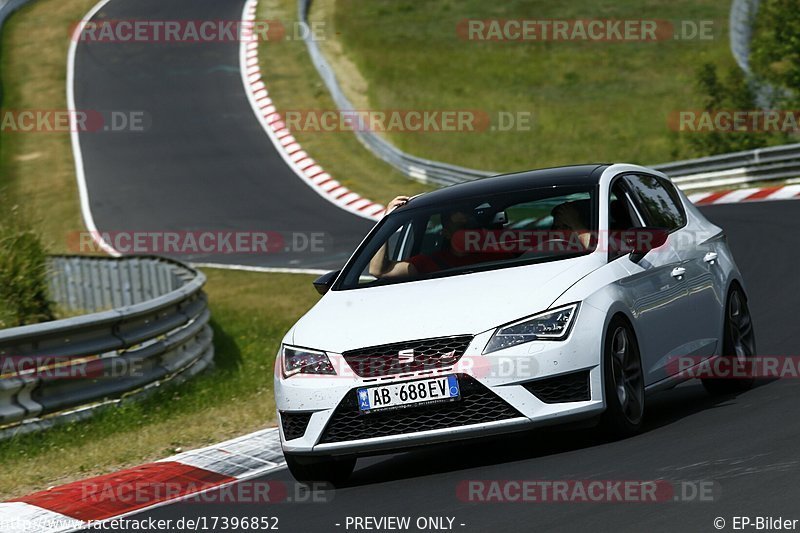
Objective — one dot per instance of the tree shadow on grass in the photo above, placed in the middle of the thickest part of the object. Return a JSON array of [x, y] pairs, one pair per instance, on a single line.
[[227, 354]]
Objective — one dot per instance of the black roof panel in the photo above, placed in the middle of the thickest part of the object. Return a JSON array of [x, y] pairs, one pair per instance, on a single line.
[[519, 181]]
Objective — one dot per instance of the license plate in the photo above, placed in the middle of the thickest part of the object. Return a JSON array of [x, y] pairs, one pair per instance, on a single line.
[[397, 395]]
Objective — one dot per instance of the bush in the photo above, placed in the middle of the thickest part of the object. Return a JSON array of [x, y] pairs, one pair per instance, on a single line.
[[775, 48], [775, 62], [734, 92], [24, 297]]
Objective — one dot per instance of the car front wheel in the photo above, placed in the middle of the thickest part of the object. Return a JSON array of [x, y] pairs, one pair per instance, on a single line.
[[623, 381]]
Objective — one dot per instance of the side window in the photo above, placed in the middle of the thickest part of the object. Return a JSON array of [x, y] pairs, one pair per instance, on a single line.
[[432, 237], [395, 243], [658, 201], [622, 217], [621, 214]]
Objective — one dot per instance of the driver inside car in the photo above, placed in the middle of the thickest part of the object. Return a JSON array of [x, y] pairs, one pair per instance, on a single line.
[[569, 220], [448, 257]]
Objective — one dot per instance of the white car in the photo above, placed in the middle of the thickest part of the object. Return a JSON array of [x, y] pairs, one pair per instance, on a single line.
[[508, 303]]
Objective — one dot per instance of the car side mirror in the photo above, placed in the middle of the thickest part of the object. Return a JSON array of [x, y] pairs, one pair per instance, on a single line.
[[642, 240], [324, 282]]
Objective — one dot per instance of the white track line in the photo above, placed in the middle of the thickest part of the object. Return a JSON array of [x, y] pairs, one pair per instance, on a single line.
[[86, 210]]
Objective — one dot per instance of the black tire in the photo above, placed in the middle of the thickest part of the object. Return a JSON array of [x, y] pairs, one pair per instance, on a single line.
[[332, 470], [739, 342], [623, 382]]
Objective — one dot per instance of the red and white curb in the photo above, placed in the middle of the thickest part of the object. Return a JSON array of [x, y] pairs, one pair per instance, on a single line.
[[74, 506], [753, 194], [287, 146]]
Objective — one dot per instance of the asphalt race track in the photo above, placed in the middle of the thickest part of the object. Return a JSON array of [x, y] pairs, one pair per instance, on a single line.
[[203, 162], [746, 445]]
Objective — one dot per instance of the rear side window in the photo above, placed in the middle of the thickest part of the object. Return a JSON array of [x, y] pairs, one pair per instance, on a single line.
[[658, 201]]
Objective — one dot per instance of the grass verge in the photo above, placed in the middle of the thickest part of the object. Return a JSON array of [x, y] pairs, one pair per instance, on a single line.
[[250, 311], [294, 85], [590, 101]]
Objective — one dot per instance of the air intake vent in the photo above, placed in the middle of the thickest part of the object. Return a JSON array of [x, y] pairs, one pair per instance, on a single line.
[[572, 387], [294, 424]]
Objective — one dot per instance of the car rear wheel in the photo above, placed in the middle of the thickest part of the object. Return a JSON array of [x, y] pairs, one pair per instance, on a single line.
[[333, 470], [739, 345], [623, 381]]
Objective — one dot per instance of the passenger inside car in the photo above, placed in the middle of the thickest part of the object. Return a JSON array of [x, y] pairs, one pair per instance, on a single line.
[[447, 257]]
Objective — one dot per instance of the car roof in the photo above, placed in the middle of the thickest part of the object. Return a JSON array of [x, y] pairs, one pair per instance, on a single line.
[[576, 175]]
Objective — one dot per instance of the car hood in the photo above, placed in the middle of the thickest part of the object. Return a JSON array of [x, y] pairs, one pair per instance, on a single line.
[[457, 305]]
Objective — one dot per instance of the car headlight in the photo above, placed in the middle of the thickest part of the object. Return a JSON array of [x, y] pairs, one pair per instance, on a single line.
[[553, 325], [304, 361]]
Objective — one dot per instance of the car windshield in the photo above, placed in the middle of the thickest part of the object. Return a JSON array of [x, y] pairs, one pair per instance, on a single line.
[[485, 233]]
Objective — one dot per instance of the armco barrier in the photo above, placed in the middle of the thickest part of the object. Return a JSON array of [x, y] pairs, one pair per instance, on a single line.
[[741, 30], [736, 168], [766, 164], [420, 169], [146, 322], [8, 6]]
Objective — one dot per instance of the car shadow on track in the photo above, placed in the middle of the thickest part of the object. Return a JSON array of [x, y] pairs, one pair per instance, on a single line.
[[672, 405], [664, 408]]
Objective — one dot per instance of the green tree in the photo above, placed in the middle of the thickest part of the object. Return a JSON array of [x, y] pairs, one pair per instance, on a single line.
[[775, 48], [734, 92]]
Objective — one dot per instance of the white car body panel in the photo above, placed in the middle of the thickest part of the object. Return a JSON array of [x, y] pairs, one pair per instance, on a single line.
[[344, 320]]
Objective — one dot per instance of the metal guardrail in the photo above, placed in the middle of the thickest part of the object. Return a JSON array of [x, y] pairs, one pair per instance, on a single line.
[[420, 169], [736, 168], [147, 323], [741, 30], [742, 17], [9, 6], [763, 164]]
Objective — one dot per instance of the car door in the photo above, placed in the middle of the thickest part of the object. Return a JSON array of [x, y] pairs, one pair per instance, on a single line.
[[656, 289], [705, 280]]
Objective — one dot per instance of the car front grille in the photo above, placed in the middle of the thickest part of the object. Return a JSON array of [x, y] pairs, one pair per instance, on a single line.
[[294, 424], [410, 356], [477, 405], [572, 387]]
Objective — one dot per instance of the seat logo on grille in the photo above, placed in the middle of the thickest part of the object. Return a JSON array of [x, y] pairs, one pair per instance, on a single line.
[[406, 356]]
